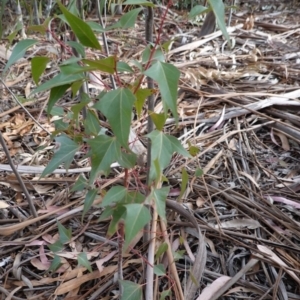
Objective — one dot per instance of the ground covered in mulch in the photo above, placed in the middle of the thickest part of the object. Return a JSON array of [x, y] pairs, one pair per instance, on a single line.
[[240, 107]]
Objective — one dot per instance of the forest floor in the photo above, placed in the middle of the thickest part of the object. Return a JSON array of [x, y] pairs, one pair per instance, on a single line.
[[239, 106]]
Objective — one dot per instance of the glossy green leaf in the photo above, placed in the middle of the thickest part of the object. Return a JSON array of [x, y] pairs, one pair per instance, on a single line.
[[107, 65], [65, 234], [80, 184], [219, 11], [158, 120], [141, 96], [138, 2], [82, 30], [114, 195], [198, 172], [133, 197], [163, 147], [127, 160], [165, 294], [69, 61], [57, 111], [117, 107], [75, 87], [197, 10], [75, 68], [176, 146], [128, 20], [56, 247], [38, 66], [161, 250], [105, 151], [58, 80], [91, 123], [159, 270], [123, 67], [184, 183], [193, 150], [88, 201], [158, 54], [95, 26], [160, 196], [83, 261], [65, 151], [131, 290], [136, 217], [60, 126], [56, 94], [167, 77], [77, 108], [19, 52], [55, 264], [78, 47], [117, 216]]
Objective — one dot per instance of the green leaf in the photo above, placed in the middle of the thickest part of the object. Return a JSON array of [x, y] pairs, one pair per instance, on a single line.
[[42, 29], [75, 68], [38, 66], [58, 80], [158, 120], [56, 247], [61, 126], [91, 123], [127, 160], [141, 96], [65, 234], [163, 147], [64, 154], [56, 94], [131, 290], [160, 196], [197, 10], [80, 184], [117, 107], [57, 111], [128, 20], [138, 2], [95, 26], [71, 60], [159, 270], [198, 172], [193, 150], [107, 65], [134, 197], [55, 264], [158, 55], [177, 147], [19, 52], [114, 195], [105, 151], [123, 67], [82, 30], [165, 294], [161, 250], [77, 108], [88, 201], [136, 217], [219, 11], [78, 47], [83, 261], [167, 77], [75, 86], [184, 182], [117, 216]]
